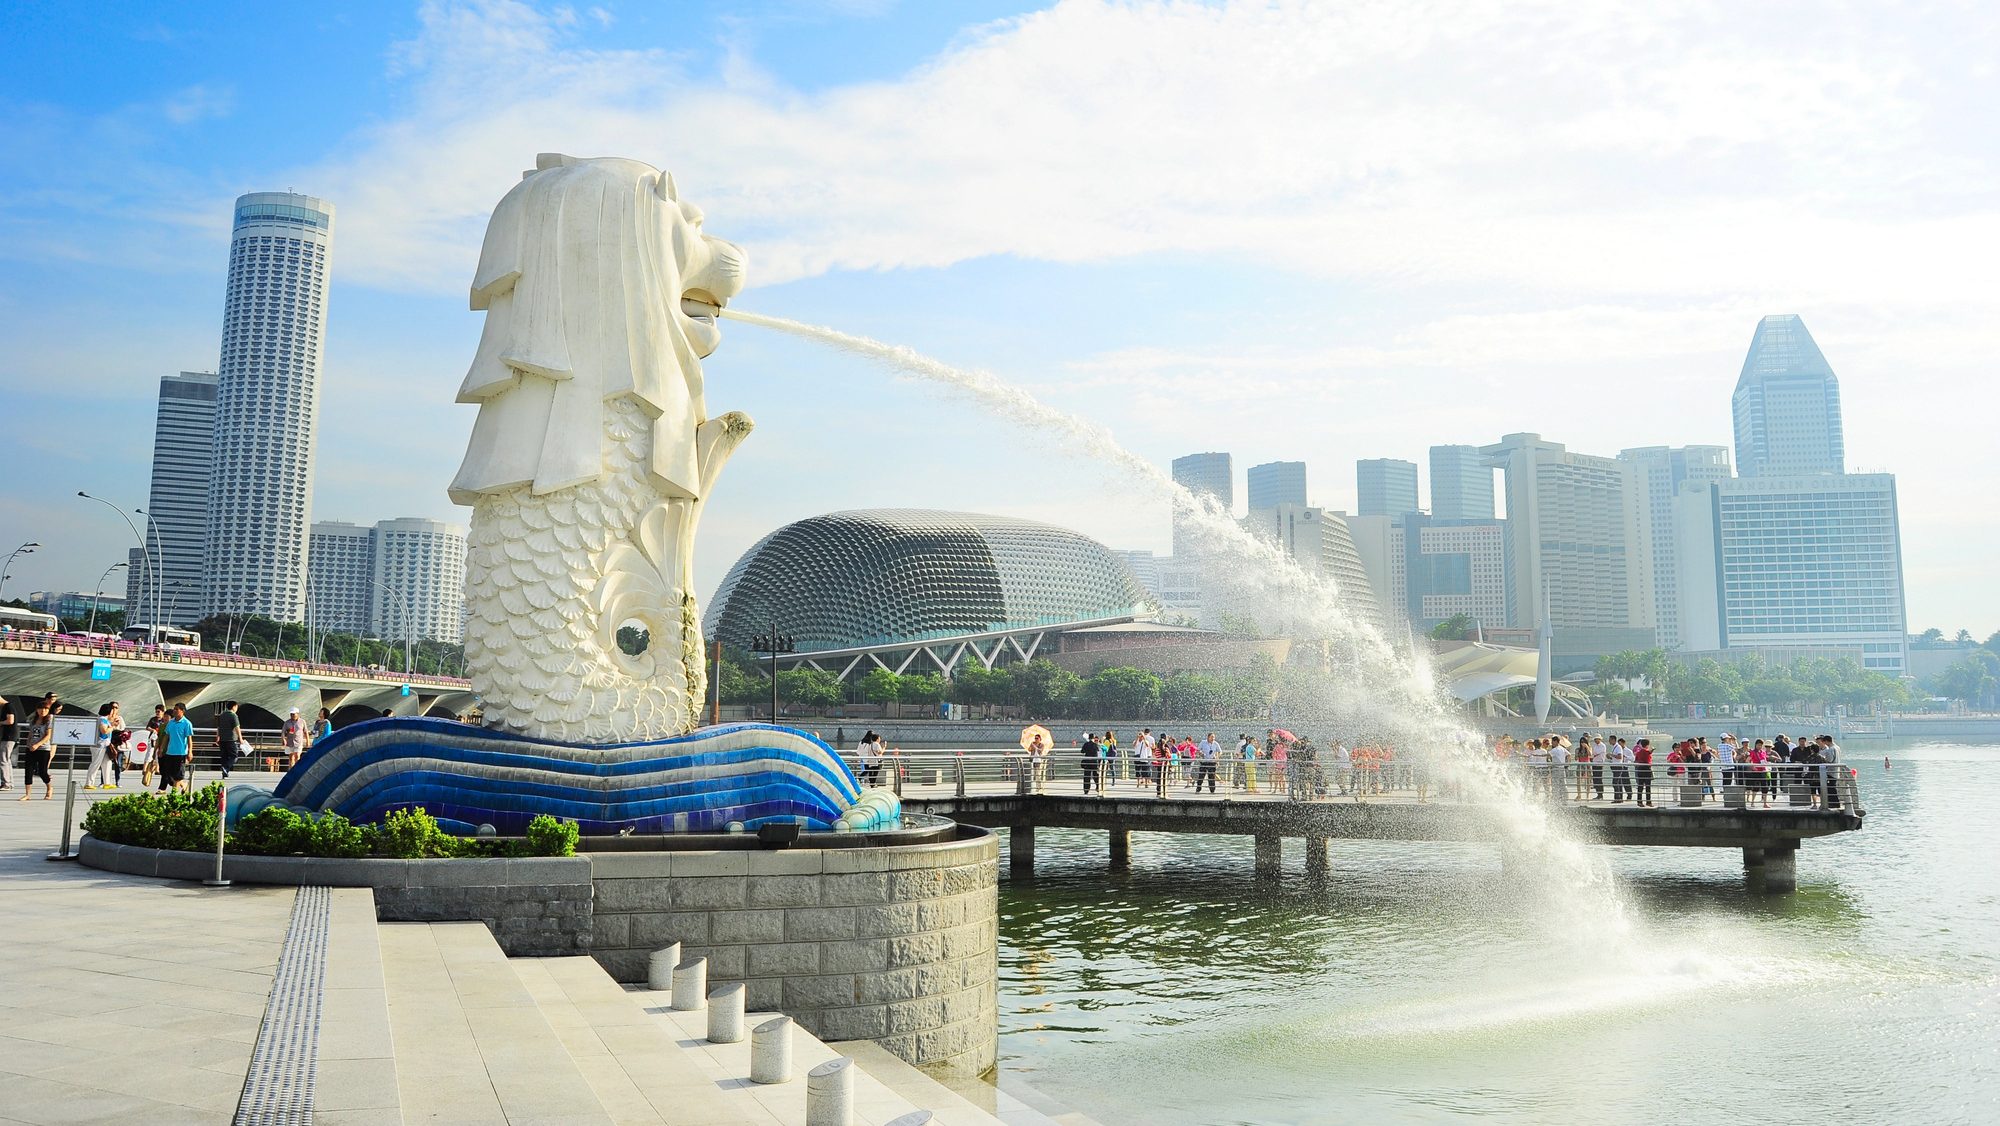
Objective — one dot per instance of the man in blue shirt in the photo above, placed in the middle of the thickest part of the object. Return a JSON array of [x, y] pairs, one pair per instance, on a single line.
[[179, 734]]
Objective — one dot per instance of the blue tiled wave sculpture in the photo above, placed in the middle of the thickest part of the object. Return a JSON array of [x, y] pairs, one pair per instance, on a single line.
[[752, 773]]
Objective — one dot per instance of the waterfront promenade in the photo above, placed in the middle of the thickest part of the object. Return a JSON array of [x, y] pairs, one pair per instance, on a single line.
[[137, 1000]]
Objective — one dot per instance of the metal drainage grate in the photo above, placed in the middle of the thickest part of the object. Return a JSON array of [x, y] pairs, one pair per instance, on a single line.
[[278, 1091]]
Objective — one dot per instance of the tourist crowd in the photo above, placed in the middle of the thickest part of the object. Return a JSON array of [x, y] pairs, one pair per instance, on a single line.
[[1594, 767], [163, 754], [1628, 770]]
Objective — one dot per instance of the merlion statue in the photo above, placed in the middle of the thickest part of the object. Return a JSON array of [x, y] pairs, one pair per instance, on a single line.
[[587, 470], [593, 451]]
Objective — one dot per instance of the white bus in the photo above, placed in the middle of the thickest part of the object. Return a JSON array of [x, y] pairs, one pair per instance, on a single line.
[[166, 637], [14, 617]]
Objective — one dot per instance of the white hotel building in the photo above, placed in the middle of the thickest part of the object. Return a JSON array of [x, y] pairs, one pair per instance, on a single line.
[[267, 406], [1789, 562], [375, 582]]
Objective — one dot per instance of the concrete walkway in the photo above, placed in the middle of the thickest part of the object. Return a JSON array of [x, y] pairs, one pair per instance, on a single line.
[[124, 999]]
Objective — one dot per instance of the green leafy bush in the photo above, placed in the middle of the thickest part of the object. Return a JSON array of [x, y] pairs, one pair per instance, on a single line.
[[187, 824], [336, 836], [274, 831], [550, 837], [413, 834], [183, 822]]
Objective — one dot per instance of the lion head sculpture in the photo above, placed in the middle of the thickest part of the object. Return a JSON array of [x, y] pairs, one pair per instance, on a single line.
[[598, 284]]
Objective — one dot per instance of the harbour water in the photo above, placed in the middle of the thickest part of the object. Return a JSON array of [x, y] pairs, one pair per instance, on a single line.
[[1421, 985]]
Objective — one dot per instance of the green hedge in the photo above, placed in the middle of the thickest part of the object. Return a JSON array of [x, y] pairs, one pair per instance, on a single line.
[[186, 823]]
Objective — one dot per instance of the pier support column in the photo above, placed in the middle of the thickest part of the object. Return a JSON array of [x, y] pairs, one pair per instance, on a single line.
[[1121, 850], [1317, 857], [1021, 850], [1270, 851], [1753, 860], [1781, 869]]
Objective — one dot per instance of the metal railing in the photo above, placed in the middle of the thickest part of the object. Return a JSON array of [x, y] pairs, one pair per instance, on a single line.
[[932, 773]]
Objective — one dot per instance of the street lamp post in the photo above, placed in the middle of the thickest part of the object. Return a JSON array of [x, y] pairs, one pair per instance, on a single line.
[[409, 623], [24, 549], [153, 619], [773, 644], [159, 544], [97, 597]]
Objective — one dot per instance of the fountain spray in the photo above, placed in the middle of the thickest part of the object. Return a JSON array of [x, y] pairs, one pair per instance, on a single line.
[[1364, 677]]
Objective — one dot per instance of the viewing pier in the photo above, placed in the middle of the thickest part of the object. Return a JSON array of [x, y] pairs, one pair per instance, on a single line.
[[1007, 791]]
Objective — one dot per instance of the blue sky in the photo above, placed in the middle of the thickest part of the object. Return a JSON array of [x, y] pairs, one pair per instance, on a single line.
[[1319, 232]]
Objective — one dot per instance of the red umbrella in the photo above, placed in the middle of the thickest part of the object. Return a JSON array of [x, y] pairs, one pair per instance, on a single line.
[[1285, 735]]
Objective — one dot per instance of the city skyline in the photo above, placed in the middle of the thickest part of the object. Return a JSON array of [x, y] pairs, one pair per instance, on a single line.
[[1440, 337]]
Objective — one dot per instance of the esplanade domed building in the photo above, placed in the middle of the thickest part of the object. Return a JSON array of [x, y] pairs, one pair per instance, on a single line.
[[870, 577]]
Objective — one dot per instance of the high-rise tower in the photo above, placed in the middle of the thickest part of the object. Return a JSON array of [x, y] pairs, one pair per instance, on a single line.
[[1787, 404], [1461, 483], [267, 406], [171, 566], [1277, 482], [1208, 473], [1659, 473], [1386, 486]]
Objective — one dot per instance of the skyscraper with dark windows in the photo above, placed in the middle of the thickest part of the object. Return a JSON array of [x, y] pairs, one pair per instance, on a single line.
[[267, 406], [1787, 404], [172, 564]]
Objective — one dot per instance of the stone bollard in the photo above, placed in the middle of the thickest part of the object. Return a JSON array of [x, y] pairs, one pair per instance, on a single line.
[[725, 1014], [660, 966], [771, 1051], [830, 1093], [691, 985], [915, 1118]]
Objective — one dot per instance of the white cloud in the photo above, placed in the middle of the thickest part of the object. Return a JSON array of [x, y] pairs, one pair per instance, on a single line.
[[199, 102], [1582, 149]]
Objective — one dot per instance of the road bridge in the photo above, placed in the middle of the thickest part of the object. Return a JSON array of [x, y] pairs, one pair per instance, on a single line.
[[140, 676]]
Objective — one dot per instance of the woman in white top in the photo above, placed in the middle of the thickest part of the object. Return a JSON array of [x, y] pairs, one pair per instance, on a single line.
[[109, 723], [870, 752]]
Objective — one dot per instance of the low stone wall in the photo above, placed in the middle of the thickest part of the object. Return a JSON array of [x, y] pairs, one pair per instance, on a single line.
[[536, 907], [898, 945]]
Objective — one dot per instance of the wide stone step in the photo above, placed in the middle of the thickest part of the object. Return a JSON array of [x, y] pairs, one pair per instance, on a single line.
[[971, 1095], [472, 1046], [728, 1067], [637, 1071]]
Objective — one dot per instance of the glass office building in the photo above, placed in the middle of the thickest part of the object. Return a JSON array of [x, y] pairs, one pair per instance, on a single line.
[[1385, 486]]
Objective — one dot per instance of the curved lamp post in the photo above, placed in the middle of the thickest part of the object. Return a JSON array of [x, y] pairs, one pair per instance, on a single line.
[[99, 596], [24, 549], [153, 619], [160, 572], [409, 622]]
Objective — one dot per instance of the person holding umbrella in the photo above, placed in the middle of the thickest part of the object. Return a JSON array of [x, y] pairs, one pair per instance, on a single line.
[[1036, 740]]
